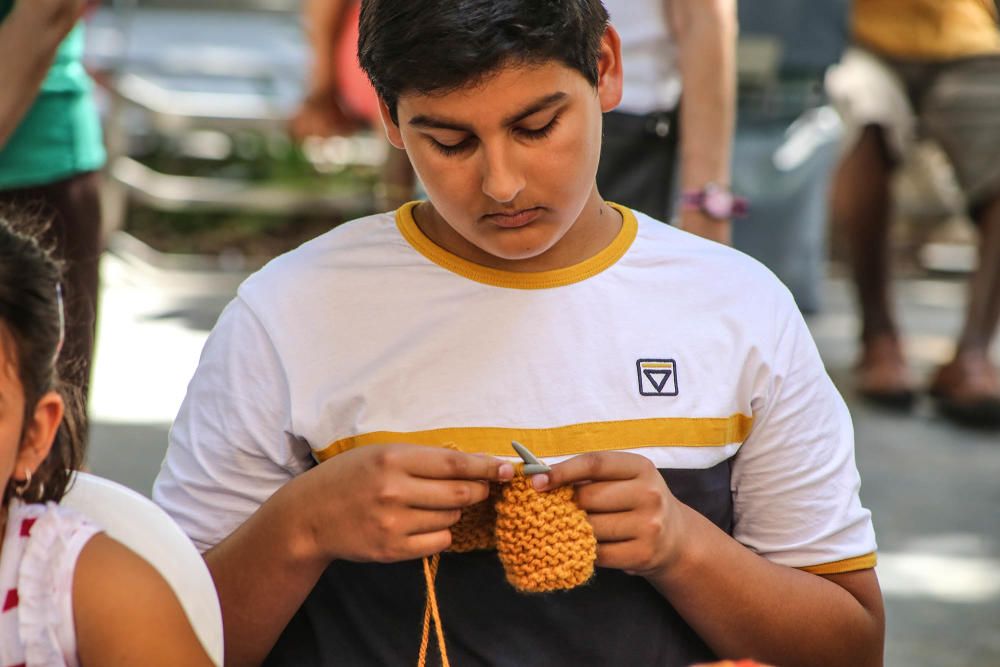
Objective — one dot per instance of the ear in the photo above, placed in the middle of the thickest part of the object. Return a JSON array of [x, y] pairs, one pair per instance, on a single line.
[[39, 434], [391, 129], [609, 70]]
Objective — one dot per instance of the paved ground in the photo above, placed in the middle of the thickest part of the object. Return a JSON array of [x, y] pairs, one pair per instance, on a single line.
[[934, 488]]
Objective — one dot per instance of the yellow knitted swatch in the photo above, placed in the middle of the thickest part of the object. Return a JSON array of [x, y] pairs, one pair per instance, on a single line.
[[543, 539]]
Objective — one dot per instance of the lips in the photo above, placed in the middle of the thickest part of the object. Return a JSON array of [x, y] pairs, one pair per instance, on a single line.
[[514, 219]]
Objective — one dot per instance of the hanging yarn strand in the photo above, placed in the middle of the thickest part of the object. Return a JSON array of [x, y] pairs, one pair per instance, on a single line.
[[431, 614]]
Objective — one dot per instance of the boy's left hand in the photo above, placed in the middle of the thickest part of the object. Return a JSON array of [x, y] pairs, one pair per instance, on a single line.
[[638, 523]]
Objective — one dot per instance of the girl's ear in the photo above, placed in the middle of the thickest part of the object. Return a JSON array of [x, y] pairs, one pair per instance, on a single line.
[[39, 434], [609, 70], [391, 129]]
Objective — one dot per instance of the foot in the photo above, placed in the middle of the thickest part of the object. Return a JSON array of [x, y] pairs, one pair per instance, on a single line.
[[967, 390], [882, 374]]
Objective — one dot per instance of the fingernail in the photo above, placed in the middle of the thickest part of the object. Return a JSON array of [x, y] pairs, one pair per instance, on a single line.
[[506, 471], [539, 481]]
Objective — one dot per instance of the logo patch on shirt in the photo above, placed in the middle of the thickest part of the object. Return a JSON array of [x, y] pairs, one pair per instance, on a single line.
[[657, 377]]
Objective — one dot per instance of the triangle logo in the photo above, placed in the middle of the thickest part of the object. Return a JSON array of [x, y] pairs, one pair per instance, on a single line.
[[657, 378]]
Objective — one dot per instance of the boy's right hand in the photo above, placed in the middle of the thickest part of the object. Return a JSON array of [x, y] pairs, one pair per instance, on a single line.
[[389, 503]]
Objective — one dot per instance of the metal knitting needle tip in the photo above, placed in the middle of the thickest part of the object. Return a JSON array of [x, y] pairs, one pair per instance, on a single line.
[[532, 465]]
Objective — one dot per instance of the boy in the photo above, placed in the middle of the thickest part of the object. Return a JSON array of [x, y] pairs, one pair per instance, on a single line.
[[670, 377]]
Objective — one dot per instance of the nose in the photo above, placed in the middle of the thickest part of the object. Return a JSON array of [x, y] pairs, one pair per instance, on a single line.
[[503, 178]]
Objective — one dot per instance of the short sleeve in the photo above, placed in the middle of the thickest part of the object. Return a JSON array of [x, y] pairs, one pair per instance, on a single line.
[[795, 482], [231, 445]]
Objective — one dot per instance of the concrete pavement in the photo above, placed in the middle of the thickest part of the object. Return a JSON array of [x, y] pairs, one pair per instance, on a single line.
[[934, 488]]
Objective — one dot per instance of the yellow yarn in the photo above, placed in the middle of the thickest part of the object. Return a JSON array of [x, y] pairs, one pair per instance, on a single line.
[[431, 613], [543, 539]]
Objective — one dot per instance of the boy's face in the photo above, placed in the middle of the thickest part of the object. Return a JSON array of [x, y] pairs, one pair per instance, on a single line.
[[509, 165]]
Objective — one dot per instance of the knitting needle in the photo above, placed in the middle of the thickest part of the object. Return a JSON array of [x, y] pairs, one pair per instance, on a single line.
[[532, 465]]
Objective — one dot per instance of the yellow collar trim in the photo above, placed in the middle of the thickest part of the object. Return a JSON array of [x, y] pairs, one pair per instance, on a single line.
[[512, 279], [565, 440]]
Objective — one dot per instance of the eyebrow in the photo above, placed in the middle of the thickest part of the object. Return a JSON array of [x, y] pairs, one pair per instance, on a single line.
[[431, 122]]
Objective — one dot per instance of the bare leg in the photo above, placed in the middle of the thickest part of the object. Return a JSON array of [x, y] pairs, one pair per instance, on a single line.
[[968, 387], [860, 208]]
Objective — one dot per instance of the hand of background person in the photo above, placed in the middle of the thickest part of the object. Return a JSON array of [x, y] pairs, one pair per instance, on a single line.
[[322, 115], [638, 523], [57, 15], [389, 503], [29, 38]]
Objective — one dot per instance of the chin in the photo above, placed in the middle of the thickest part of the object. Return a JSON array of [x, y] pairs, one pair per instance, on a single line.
[[514, 253], [528, 244]]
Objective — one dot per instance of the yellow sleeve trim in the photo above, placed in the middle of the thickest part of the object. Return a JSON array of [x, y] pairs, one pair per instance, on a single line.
[[591, 266], [566, 440], [865, 562]]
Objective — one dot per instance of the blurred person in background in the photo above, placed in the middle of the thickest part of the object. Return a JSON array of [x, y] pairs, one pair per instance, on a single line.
[[339, 99], [931, 69], [679, 95], [50, 151]]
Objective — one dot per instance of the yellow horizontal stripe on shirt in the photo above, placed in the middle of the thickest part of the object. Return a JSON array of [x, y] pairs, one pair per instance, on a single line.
[[865, 562], [566, 440]]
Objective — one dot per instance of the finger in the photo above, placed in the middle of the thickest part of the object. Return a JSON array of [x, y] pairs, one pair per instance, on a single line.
[[616, 555], [615, 496], [419, 522], [426, 544], [438, 463], [615, 527], [445, 494], [593, 466]]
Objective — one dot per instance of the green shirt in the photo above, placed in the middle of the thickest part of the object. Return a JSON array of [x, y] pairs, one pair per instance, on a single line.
[[60, 135]]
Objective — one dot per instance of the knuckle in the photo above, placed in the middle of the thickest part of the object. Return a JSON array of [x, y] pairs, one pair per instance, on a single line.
[[456, 464], [386, 524], [386, 494], [593, 462], [650, 528], [652, 498], [386, 457], [463, 494]]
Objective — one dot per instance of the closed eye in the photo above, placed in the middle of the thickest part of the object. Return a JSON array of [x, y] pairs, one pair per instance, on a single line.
[[539, 133], [453, 149]]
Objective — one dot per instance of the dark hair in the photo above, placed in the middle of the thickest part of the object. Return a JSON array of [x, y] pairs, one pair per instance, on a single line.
[[437, 46], [30, 330]]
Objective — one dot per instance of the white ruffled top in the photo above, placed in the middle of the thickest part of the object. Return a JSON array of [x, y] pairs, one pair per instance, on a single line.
[[40, 548]]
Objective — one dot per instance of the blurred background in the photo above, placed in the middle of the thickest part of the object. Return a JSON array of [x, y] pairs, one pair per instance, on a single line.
[[204, 183]]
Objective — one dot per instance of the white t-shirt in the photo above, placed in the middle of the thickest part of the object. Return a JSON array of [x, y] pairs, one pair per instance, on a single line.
[[652, 81], [665, 344]]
